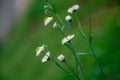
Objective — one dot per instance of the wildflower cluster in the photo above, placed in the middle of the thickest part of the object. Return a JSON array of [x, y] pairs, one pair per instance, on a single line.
[[73, 8], [66, 41], [40, 50]]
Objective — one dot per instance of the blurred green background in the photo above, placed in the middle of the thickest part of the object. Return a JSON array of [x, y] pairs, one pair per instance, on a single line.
[[17, 48]]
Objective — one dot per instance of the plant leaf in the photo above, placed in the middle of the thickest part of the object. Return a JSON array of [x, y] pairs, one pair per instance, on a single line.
[[82, 53]]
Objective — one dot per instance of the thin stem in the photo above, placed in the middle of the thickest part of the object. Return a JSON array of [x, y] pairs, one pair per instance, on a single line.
[[80, 65], [76, 75], [57, 64], [93, 53], [69, 66], [59, 18], [72, 49], [62, 32], [80, 28], [90, 39]]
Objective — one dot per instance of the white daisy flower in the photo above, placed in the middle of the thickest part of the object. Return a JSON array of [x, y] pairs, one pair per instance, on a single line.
[[39, 50], [46, 57], [68, 18], [55, 25], [47, 20], [70, 10], [61, 58], [68, 38], [73, 8]]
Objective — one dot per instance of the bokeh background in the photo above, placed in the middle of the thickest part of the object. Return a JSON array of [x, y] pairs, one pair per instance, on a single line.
[[22, 30]]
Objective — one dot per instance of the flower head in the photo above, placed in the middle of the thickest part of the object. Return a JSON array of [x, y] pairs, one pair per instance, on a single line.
[[68, 18], [61, 58], [47, 20], [68, 38], [73, 8], [46, 57], [70, 10], [39, 50]]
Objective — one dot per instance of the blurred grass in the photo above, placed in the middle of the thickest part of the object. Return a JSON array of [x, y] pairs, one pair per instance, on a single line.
[[18, 60]]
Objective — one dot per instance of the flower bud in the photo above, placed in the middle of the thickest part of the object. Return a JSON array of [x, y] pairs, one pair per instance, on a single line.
[[55, 24], [61, 58], [68, 18]]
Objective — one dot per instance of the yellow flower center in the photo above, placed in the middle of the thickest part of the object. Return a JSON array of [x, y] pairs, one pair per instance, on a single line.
[[37, 49], [67, 38], [46, 19]]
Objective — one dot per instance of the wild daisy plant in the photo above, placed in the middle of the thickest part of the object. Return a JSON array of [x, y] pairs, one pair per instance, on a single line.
[[59, 24]]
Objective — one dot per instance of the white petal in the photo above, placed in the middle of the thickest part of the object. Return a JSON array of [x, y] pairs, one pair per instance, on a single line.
[[70, 10], [61, 57], [64, 41], [39, 50], [68, 38], [44, 59], [68, 18], [48, 20], [72, 36], [75, 7], [48, 53]]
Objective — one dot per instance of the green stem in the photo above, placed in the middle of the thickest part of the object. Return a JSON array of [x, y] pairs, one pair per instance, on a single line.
[[62, 32], [77, 66], [69, 66], [90, 39], [59, 18], [76, 75], [93, 53], [80, 28], [54, 13], [57, 64], [80, 65]]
